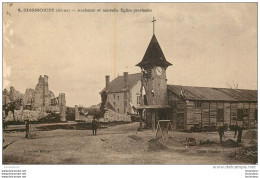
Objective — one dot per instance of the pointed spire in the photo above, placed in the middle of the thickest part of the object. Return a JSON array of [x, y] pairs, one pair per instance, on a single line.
[[154, 55]]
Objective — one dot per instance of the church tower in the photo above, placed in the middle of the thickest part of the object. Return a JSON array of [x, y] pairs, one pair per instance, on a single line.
[[154, 67], [154, 82]]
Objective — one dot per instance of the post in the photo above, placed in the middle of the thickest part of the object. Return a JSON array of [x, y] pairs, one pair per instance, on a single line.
[[76, 112], [62, 103], [141, 119]]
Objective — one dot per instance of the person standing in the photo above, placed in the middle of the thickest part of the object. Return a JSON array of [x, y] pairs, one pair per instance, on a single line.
[[27, 129], [94, 126], [221, 132], [238, 132]]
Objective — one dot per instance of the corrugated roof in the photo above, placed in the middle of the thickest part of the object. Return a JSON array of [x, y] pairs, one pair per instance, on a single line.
[[154, 55], [117, 85], [214, 94]]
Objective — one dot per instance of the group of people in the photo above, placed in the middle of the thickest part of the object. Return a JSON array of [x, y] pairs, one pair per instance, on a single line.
[[238, 132]]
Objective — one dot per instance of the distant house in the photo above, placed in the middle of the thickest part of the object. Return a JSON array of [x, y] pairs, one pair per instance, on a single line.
[[123, 93], [184, 106]]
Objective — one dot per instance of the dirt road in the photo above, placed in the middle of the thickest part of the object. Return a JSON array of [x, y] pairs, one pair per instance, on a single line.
[[121, 144]]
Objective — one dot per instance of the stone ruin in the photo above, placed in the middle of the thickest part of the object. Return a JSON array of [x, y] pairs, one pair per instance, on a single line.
[[38, 99], [109, 116]]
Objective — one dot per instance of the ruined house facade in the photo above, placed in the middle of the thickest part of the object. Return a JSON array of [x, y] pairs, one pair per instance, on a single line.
[[185, 106]]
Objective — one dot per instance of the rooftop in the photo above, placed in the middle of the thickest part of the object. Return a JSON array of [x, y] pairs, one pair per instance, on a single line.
[[214, 94]]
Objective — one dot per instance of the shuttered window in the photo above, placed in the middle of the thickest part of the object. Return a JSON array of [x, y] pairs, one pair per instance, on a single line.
[[220, 115]]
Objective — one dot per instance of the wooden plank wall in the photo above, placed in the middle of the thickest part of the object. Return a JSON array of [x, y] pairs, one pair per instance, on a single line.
[[213, 113], [227, 113], [193, 115], [180, 123], [220, 105], [205, 113], [252, 108], [233, 111]]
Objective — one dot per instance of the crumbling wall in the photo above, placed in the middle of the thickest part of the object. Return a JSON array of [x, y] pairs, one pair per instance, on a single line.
[[41, 93], [111, 116], [41, 96], [28, 98]]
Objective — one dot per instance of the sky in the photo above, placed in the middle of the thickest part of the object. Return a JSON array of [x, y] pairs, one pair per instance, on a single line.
[[209, 44]]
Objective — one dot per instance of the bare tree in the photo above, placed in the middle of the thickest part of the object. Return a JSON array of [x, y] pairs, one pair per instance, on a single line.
[[234, 85]]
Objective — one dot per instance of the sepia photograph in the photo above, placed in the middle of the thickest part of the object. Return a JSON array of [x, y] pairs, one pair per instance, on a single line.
[[130, 84]]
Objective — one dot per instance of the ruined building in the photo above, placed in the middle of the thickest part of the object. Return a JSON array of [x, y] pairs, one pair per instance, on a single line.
[[40, 97]]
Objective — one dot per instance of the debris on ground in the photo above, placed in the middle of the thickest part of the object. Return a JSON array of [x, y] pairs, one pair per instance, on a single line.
[[250, 134], [103, 139], [208, 151], [191, 141], [245, 154], [134, 137], [171, 141], [207, 142], [252, 142], [155, 145], [230, 143]]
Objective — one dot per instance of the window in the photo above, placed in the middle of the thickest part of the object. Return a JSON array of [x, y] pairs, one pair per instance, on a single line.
[[114, 96], [197, 104], [245, 113], [138, 99], [118, 110], [220, 115], [118, 98], [240, 114]]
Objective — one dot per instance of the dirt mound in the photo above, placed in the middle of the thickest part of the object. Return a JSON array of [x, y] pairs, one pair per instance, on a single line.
[[230, 143], [207, 142], [134, 137], [171, 141], [245, 154], [250, 134], [155, 145], [252, 142]]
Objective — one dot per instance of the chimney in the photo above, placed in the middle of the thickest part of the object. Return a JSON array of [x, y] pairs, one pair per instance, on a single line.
[[107, 80], [125, 79]]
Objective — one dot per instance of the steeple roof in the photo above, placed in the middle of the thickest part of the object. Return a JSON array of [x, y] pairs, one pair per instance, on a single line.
[[154, 55]]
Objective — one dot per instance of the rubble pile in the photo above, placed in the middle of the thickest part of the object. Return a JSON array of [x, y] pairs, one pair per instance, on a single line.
[[111, 116], [26, 115], [252, 142], [245, 154], [207, 142], [250, 134], [230, 143], [155, 145]]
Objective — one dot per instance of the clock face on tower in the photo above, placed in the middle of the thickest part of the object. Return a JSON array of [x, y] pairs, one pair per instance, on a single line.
[[159, 71]]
